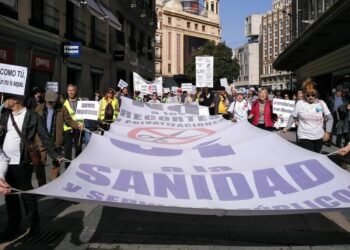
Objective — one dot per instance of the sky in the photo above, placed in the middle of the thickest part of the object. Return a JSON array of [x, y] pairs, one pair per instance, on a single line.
[[233, 14]]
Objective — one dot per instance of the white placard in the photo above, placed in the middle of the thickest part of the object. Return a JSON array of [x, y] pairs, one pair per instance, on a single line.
[[282, 108], [122, 84], [166, 90], [174, 89], [52, 86], [205, 71], [186, 87], [223, 82], [87, 110], [13, 79]]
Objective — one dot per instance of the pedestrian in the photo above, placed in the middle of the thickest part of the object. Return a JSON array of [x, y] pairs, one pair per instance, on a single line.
[[72, 136], [178, 98], [239, 108], [37, 98], [20, 125], [109, 109], [311, 113], [97, 96], [137, 96], [336, 101], [221, 103], [261, 113], [154, 98]]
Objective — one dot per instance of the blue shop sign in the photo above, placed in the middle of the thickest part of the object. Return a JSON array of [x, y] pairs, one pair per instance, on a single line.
[[72, 49]]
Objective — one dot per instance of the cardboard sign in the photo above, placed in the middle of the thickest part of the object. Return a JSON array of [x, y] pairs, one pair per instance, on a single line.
[[87, 110], [13, 79], [52, 86], [186, 87]]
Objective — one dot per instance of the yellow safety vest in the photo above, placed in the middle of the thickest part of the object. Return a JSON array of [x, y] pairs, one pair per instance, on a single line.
[[72, 114], [222, 106], [103, 105]]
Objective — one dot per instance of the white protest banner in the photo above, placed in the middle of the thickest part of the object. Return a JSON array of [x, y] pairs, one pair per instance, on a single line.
[[52, 86], [174, 89], [122, 84], [12, 79], [204, 71], [87, 110], [194, 89], [186, 87], [166, 90], [146, 87], [217, 169], [283, 109], [223, 82]]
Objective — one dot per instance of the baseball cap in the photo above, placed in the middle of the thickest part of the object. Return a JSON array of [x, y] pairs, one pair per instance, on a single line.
[[51, 96]]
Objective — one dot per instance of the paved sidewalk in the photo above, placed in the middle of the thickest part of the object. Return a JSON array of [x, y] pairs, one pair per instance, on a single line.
[[69, 225]]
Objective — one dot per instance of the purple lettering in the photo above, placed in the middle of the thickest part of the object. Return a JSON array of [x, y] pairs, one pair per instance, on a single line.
[[326, 202], [95, 195], [320, 174], [93, 174], [131, 180], [178, 186], [71, 188], [342, 195], [268, 182], [201, 187], [240, 184]]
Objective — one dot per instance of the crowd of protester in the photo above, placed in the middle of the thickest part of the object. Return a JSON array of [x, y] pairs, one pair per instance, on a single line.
[[48, 121]]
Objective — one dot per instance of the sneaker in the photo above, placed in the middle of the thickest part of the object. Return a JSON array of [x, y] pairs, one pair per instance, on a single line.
[[9, 234]]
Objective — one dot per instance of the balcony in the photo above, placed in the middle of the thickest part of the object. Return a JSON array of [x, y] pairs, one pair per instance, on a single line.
[[98, 41], [158, 71], [158, 42], [158, 57], [9, 10], [47, 20]]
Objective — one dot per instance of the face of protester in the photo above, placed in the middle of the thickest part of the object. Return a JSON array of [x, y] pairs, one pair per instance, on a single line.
[[222, 92], [286, 97], [109, 94], [125, 91], [239, 97], [263, 95], [72, 92], [338, 93], [300, 95], [10, 103], [310, 96], [154, 97]]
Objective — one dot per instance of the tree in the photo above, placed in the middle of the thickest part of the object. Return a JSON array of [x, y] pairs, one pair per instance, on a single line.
[[224, 65]]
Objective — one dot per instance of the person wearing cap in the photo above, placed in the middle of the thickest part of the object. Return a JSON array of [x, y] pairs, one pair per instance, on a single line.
[[178, 98], [53, 116], [239, 109], [109, 108], [19, 126]]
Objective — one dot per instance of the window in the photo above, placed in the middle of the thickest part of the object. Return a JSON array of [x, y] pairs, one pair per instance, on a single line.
[[169, 20], [169, 68], [196, 26], [203, 28], [188, 25]]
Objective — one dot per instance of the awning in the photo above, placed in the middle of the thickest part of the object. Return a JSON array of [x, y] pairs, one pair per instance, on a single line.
[[110, 18], [328, 33], [99, 10], [76, 2]]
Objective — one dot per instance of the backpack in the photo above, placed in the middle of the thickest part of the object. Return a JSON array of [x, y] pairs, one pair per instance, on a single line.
[[109, 112]]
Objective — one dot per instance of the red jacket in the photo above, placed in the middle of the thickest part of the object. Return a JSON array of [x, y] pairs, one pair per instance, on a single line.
[[267, 113]]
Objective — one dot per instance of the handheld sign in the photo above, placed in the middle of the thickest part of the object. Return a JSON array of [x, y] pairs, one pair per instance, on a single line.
[[205, 71], [87, 110], [12, 79], [52, 86], [283, 109], [122, 84]]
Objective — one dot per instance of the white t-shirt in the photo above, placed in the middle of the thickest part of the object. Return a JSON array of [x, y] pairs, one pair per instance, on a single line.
[[311, 119], [12, 140], [240, 110]]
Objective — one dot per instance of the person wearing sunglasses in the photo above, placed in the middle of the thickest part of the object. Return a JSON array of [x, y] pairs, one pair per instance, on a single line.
[[311, 114]]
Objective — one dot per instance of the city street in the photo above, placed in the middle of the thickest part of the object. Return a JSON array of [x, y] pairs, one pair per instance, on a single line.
[[69, 225]]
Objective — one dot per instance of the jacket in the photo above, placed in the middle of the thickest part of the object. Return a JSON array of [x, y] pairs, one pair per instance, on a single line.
[[267, 113], [32, 125]]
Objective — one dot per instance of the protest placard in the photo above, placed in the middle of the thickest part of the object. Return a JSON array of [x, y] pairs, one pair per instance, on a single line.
[[204, 71], [186, 87], [223, 82], [52, 86], [87, 110], [122, 84], [282, 108], [12, 79]]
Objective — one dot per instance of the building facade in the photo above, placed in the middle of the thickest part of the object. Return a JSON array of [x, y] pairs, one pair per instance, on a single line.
[[33, 34], [248, 55], [322, 49], [183, 27], [276, 35]]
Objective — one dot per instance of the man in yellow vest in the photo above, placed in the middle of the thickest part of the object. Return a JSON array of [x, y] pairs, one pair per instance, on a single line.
[[72, 131], [109, 108]]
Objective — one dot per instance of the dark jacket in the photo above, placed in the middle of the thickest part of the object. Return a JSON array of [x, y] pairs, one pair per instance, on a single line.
[[32, 125]]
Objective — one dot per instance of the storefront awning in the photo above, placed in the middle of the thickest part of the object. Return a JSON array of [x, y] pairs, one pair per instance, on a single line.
[[328, 33], [99, 10]]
